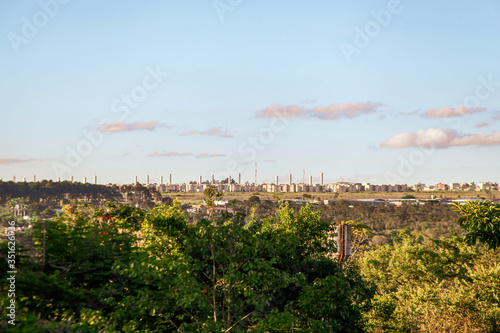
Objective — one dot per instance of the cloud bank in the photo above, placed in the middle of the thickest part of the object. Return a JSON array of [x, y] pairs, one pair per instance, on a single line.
[[447, 111], [121, 126], [214, 131], [169, 154], [205, 155], [177, 154], [332, 111], [17, 160], [440, 138]]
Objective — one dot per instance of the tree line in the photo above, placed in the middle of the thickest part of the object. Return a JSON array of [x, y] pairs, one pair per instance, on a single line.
[[122, 268]]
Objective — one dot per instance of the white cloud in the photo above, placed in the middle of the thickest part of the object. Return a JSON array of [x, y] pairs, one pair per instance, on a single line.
[[121, 126], [169, 154], [214, 131], [344, 110], [205, 155], [452, 112], [440, 138], [282, 111], [176, 154], [17, 160], [332, 111]]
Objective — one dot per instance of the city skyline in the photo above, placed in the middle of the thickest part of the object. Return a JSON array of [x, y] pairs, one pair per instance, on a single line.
[[383, 92], [239, 179]]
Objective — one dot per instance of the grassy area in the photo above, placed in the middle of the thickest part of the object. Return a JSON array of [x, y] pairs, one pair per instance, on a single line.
[[197, 198]]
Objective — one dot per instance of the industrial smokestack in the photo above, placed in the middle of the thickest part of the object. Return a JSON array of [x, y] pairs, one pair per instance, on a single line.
[[321, 179], [213, 179], [14, 178], [290, 179], [71, 178], [170, 179], [147, 179], [24, 179], [277, 181], [310, 180], [135, 180], [200, 180], [95, 179], [34, 178], [239, 177], [229, 180], [85, 180], [255, 173], [58, 179], [161, 180]]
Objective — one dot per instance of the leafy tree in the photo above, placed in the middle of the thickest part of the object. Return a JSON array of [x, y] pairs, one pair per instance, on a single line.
[[210, 195], [432, 287], [254, 199], [124, 269], [481, 220]]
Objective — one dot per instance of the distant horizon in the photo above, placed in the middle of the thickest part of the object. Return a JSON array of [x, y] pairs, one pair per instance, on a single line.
[[156, 181]]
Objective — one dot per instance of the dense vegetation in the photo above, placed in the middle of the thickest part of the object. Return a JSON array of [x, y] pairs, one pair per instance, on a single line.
[[431, 219], [48, 191], [267, 268], [52, 194]]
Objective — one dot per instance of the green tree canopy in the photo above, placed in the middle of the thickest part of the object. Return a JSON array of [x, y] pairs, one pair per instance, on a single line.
[[481, 220]]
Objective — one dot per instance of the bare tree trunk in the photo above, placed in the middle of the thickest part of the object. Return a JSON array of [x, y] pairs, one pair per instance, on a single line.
[[213, 274]]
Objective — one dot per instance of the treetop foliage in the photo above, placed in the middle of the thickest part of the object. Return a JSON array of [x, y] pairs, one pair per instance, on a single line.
[[481, 220], [267, 268]]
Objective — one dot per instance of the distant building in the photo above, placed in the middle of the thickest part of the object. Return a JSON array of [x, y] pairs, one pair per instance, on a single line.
[[485, 186], [441, 187], [418, 187]]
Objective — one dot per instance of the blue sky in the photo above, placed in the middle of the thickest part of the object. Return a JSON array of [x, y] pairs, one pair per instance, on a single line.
[[371, 91]]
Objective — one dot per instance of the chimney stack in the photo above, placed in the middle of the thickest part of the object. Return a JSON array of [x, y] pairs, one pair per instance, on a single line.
[[239, 178], [310, 180], [321, 179], [255, 173], [290, 179], [170, 179], [161, 180]]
